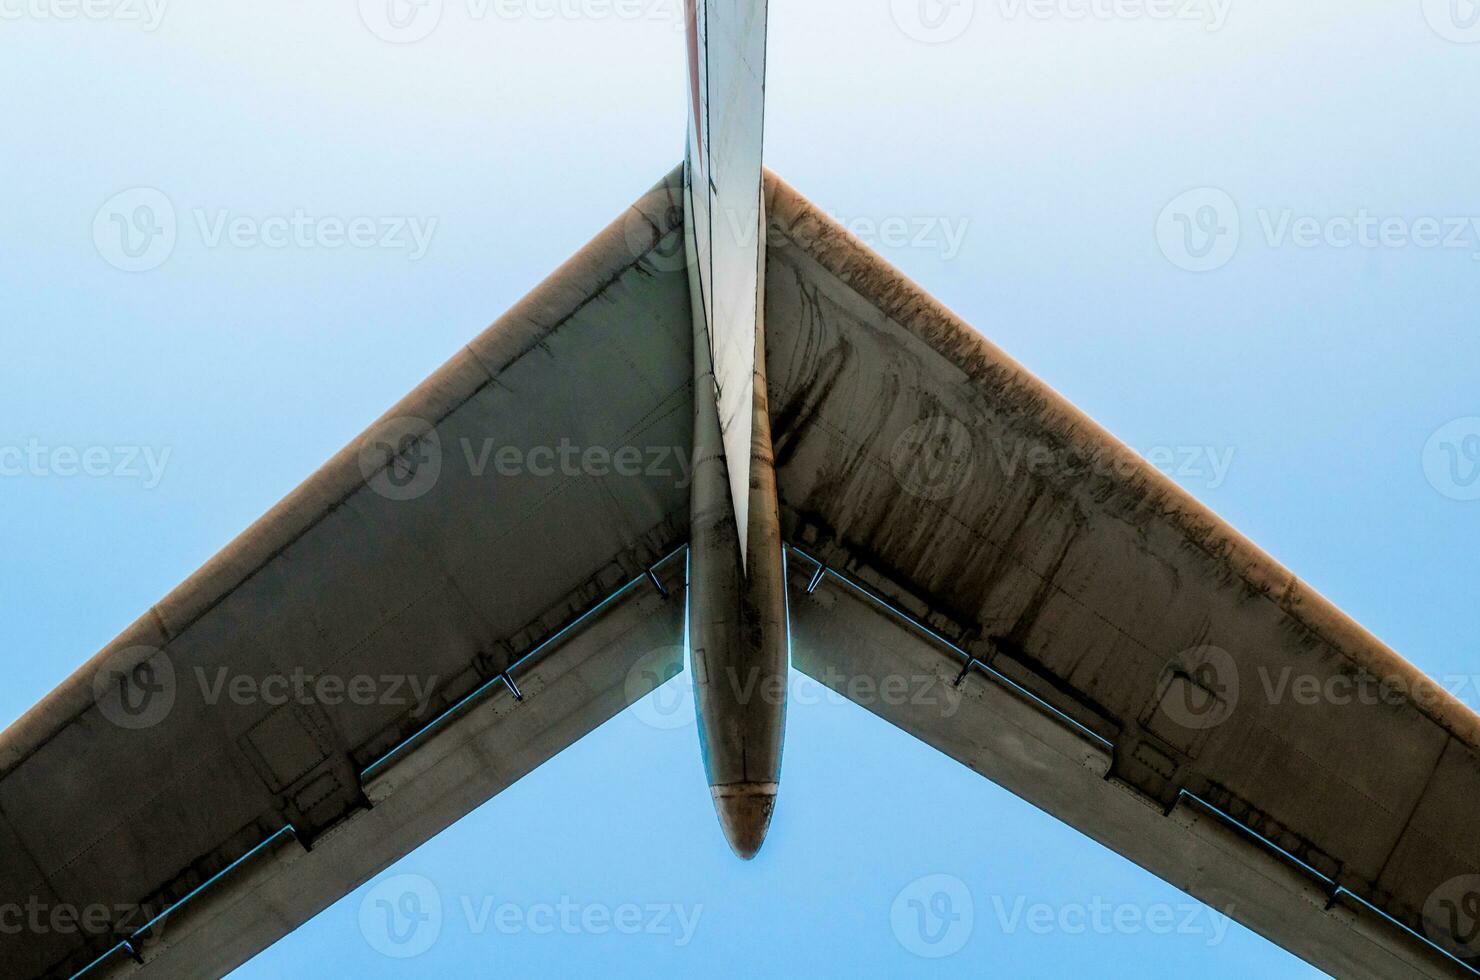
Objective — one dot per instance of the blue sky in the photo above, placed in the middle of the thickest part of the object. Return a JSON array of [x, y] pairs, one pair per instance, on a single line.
[[1048, 148]]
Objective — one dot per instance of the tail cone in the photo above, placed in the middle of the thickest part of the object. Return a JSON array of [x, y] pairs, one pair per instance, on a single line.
[[745, 814]]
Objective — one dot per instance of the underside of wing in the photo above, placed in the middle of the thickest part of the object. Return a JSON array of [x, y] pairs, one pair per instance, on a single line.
[[1122, 657], [494, 570]]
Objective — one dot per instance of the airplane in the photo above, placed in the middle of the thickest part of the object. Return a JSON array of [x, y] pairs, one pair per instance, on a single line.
[[1102, 634]]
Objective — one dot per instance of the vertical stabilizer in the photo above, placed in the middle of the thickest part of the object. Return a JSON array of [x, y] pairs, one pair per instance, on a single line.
[[727, 60]]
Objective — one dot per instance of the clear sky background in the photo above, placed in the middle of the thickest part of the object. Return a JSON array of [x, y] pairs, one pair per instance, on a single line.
[[1061, 145]]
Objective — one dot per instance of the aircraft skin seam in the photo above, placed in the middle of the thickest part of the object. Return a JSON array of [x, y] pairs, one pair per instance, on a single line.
[[472, 699]]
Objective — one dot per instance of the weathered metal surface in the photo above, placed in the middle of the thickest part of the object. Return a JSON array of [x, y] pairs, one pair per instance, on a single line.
[[845, 641], [565, 692], [408, 558], [929, 466], [738, 623], [738, 630]]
